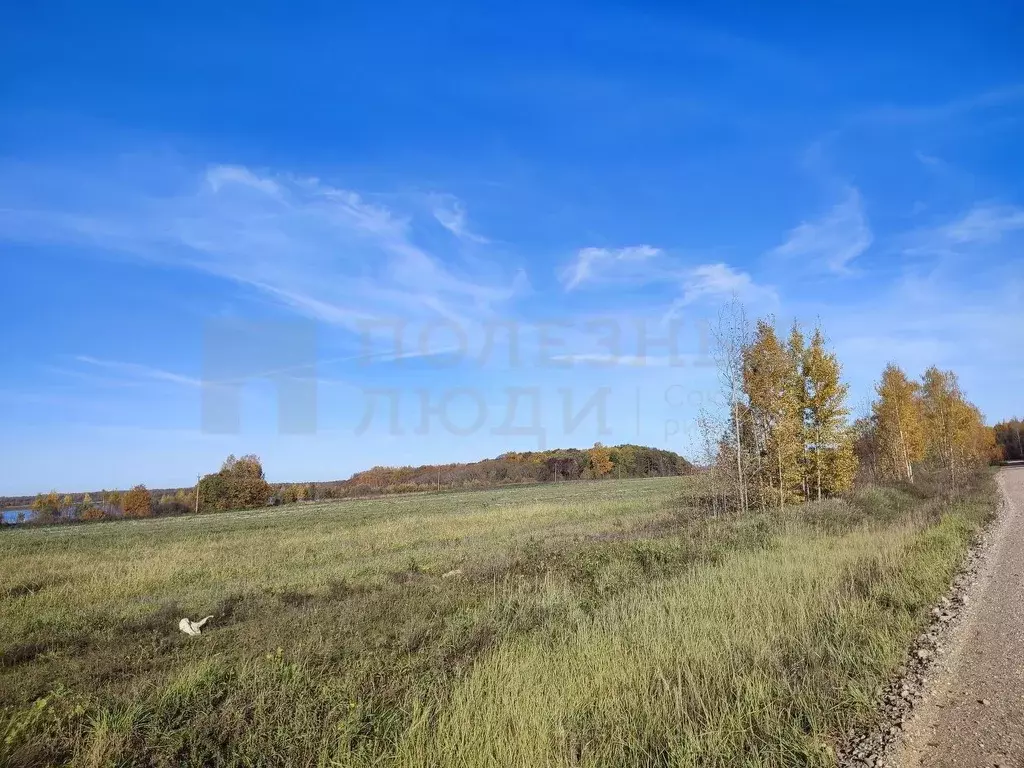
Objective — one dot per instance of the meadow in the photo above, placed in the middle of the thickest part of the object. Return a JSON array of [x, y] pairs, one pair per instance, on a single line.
[[596, 623]]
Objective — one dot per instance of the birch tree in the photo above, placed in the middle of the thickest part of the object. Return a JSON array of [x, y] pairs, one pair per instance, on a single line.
[[1010, 437], [797, 348], [730, 337], [939, 395], [833, 463], [899, 428], [771, 385]]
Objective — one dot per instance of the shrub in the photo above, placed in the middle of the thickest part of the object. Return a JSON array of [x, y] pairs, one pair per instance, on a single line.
[[240, 484], [171, 506]]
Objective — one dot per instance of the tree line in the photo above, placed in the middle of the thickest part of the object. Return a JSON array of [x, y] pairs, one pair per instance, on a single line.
[[600, 461], [240, 483], [1010, 440], [136, 502], [783, 434], [925, 423]]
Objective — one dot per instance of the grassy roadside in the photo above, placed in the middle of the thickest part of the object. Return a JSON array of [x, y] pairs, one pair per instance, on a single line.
[[598, 624], [757, 661]]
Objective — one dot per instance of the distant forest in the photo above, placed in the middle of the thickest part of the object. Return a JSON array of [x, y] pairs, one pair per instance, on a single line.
[[511, 468], [240, 483]]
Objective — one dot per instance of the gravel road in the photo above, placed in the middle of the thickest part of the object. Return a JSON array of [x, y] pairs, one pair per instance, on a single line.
[[973, 710]]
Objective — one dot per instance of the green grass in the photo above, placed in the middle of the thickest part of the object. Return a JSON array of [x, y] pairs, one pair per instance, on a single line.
[[591, 624]]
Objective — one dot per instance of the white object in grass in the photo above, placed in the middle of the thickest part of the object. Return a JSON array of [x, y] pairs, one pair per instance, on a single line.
[[193, 628]]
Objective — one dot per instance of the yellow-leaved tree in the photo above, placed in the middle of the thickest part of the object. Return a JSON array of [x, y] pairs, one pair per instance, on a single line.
[[113, 499], [600, 460], [46, 507], [832, 462], [983, 447], [899, 429], [1009, 436], [88, 509], [946, 427], [956, 437], [770, 382]]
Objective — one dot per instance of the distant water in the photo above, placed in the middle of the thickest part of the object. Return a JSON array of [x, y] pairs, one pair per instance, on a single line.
[[11, 515]]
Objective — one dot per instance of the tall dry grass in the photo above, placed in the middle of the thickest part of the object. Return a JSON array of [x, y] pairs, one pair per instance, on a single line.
[[592, 624]]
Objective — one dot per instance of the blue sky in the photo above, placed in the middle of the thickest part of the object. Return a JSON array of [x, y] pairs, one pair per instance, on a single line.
[[247, 204]]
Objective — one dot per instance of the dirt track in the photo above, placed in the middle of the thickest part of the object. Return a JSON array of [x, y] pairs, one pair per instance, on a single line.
[[973, 714]]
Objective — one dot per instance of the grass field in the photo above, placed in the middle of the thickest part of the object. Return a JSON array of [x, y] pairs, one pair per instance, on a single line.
[[593, 624]]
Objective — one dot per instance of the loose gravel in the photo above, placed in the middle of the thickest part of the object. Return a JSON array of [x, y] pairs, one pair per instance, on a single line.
[[959, 701]]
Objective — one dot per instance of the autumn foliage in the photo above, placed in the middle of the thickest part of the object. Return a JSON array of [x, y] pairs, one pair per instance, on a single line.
[[786, 438], [600, 461], [1009, 437], [556, 465], [240, 484], [927, 424], [90, 514], [46, 507], [137, 502], [784, 435]]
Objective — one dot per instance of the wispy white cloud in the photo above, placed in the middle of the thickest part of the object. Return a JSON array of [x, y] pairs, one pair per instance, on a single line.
[[720, 282], [832, 242], [129, 374], [985, 223], [649, 266], [325, 252], [220, 175], [593, 263], [985, 231], [930, 161], [138, 371], [451, 214], [923, 113], [601, 360]]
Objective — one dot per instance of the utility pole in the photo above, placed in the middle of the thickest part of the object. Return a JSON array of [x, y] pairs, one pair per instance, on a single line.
[[439, 479], [197, 494]]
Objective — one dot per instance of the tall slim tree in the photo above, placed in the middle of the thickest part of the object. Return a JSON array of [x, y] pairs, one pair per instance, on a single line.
[[939, 404], [899, 429], [797, 348], [833, 461], [770, 384], [729, 338]]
